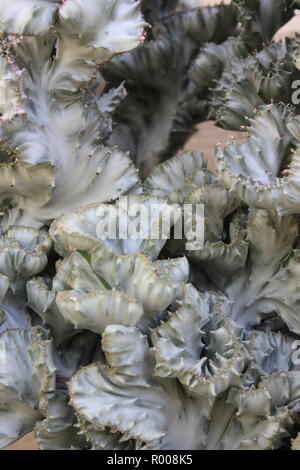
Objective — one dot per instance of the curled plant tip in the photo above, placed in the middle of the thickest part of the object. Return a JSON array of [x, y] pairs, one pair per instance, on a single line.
[[273, 359], [29, 356], [253, 81], [127, 408], [218, 204], [123, 404], [263, 289], [185, 179], [54, 195], [133, 224], [199, 347], [28, 17], [50, 123], [29, 397], [111, 347], [92, 34], [177, 177], [157, 78], [221, 260], [96, 310], [267, 409], [270, 353], [58, 430], [224, 250], [19, 394], [93, 290], [176, 269], [213, 58], [263, 171], [23, 252], [36, 188], [95, 23], [30, 238], [86, 36], [42, 301]]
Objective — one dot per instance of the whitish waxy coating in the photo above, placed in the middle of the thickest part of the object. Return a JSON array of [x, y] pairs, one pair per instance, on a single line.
[[47, 123], [85, 37], [27, 16], [142, 412], [124, 404], [23, 254], [29, 397], [178, 176], [266, 286], [185, 179], [137, 224], [247, 83], [197, 329], [114, 26], [112, 289], [110, 24], [110, 281], [65, 140], [23, 391], [253, 261], [150, 361], [117, 290], [257, 171]]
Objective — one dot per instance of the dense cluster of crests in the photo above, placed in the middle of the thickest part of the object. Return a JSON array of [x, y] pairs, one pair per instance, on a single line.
[[124, 343]]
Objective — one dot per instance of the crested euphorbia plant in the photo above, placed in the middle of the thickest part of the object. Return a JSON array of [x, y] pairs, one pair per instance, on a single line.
[[112, 342]]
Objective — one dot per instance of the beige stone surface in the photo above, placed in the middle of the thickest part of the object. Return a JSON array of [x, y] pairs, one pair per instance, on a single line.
[[291, 29], [207, 137], [26, 443]]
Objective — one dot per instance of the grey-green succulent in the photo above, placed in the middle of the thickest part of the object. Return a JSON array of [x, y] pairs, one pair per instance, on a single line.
[[112, 341]]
